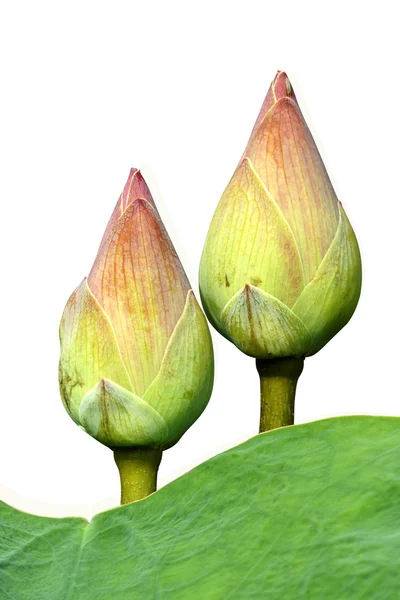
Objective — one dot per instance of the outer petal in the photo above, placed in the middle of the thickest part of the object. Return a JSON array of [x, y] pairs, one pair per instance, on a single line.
[[249, 241], [138, 279], [330, 299], [263, 327], [183, 386], [117, 417], [286, 158], [89, 350]]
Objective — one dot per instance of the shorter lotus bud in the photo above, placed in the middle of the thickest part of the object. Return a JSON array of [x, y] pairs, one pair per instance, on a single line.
[[136, 365], [280, 272]]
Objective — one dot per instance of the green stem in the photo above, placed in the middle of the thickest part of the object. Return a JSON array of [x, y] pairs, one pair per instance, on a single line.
[[278, 381], [138, 467]]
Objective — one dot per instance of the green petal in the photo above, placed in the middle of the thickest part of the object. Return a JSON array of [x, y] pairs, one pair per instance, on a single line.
[[184, 383], [89, 351], [249, 241], [329, 300], [263, 327], [117, 417]]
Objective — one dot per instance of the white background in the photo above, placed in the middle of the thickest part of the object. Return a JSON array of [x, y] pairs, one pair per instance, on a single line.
[[89, 89]]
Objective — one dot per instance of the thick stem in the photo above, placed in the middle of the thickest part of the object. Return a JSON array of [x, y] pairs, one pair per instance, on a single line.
[[138, 468], [278, 381]]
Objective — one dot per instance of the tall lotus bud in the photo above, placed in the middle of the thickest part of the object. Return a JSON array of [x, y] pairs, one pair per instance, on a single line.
[[280, 273], [136, 366]]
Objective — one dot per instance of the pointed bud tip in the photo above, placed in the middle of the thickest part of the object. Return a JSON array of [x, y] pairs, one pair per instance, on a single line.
[[127, 191], [133, 172], [135, 188], [282, 86]]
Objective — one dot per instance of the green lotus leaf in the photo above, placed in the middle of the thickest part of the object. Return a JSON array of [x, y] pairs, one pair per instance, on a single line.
[[89, 351], [181, 390], [329, 300], [117, 417], [263, 327], [307, 512]]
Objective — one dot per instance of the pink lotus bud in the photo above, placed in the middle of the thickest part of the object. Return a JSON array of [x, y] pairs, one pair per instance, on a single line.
[[136, 363]]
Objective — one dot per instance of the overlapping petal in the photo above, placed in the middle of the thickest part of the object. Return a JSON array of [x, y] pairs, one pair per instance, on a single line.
[[329, 300], [262, 326], [249, 241], [89, 350], [109, 412], [183, 385], [287, 160], [139, 281]]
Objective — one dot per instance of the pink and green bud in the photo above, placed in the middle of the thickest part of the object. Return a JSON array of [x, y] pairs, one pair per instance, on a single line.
[[280, 273], [136, 365]]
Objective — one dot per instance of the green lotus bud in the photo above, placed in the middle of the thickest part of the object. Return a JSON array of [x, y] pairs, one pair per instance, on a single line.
[[280, 272], [136, 365]]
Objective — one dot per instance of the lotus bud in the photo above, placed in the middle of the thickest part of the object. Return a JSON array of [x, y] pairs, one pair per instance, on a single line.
[[136, 365], [280, 272]]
